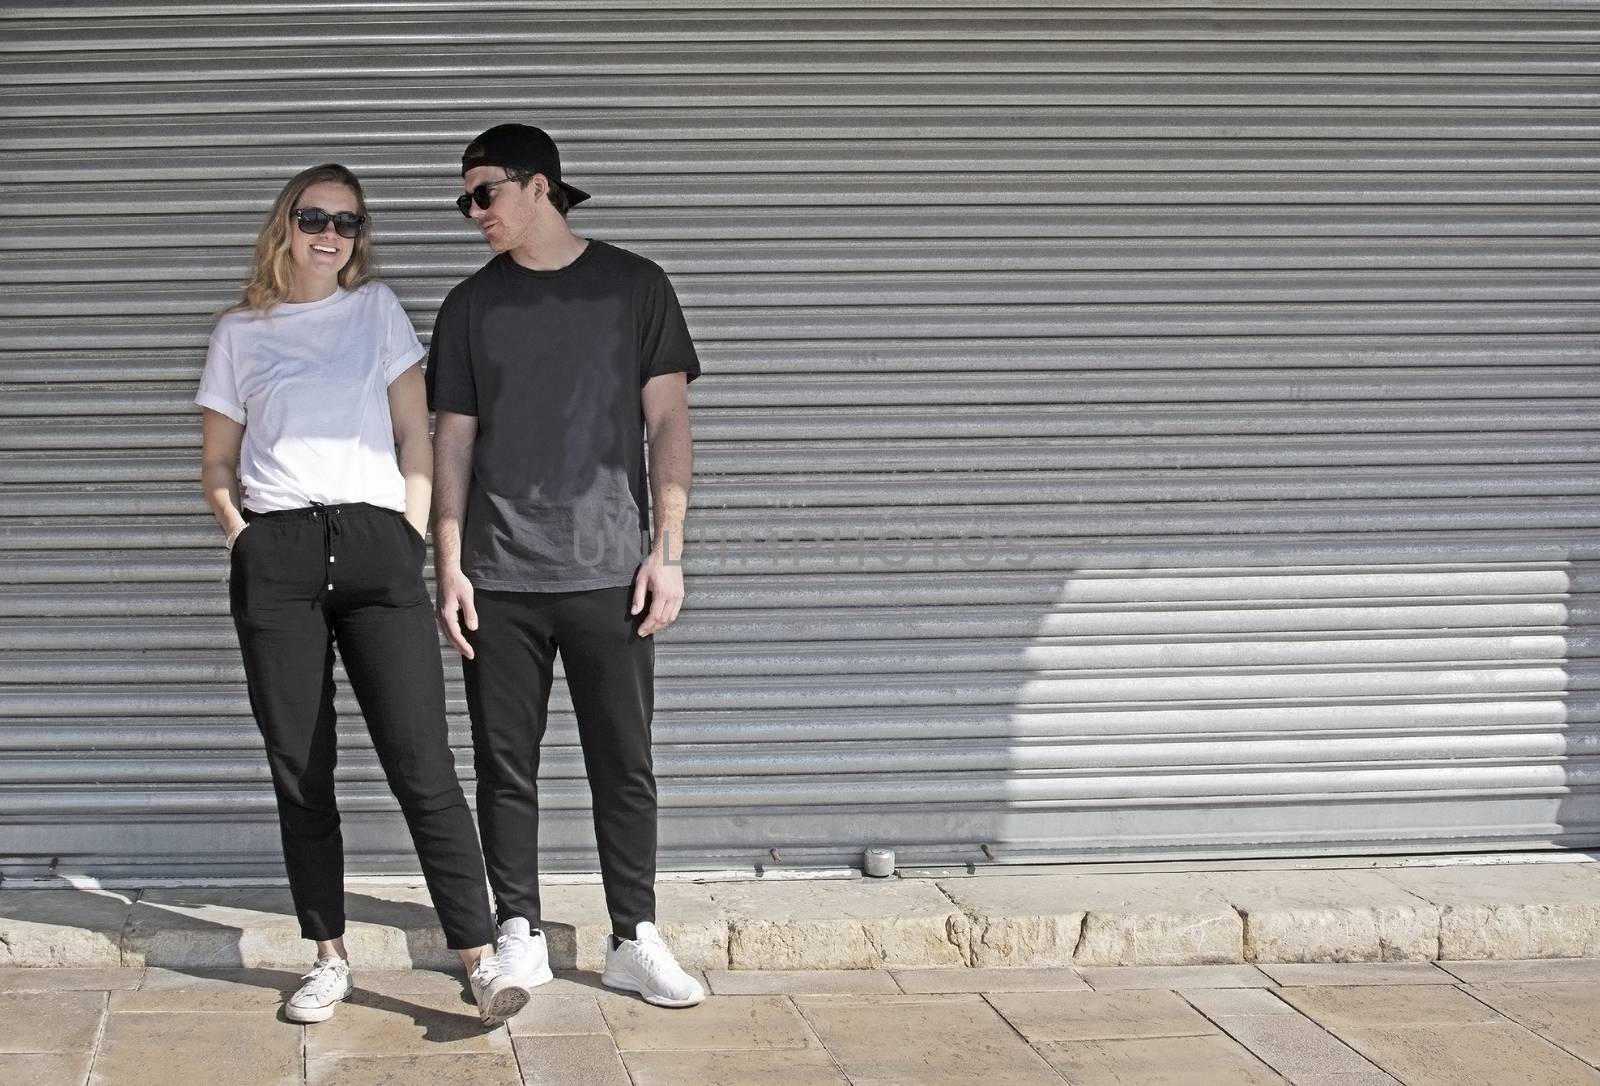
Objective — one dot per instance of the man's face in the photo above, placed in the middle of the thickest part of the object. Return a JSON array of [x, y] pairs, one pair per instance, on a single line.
[[507, 223]]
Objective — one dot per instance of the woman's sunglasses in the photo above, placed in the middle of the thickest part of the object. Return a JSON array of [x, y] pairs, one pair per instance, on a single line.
[[314, 220], [480, 196]]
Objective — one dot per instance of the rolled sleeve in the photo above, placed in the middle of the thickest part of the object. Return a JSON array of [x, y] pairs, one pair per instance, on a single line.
[[401, 347], [219, 381]]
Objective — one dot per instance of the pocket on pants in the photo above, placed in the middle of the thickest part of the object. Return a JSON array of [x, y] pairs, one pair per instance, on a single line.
[[417, 540]]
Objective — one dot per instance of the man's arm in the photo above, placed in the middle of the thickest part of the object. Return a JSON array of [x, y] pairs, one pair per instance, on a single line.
[[453, 438], [666, 418]]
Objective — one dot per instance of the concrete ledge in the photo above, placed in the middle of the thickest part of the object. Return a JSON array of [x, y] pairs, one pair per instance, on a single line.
[[1055, 918], [859, 924]]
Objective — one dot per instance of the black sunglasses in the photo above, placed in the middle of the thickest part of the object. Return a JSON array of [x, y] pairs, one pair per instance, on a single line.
[[314, 220], [479, 196]]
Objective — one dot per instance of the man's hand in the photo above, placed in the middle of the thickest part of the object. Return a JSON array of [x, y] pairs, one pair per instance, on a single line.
[[663, 583], [455, 595]]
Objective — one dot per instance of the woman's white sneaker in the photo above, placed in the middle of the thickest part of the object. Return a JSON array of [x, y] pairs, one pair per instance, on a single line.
[[644, 964], [498, 995], [521, 953], [325, 987]]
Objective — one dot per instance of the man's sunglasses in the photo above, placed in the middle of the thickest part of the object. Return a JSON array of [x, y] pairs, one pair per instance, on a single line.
[[314, 220], [479, 196]]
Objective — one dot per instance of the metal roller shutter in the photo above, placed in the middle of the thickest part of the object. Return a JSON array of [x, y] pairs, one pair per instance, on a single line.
[[1128, 431]]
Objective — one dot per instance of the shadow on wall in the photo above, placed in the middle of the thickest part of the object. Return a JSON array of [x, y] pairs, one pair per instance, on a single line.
[[1360, 706], [1192, 699]]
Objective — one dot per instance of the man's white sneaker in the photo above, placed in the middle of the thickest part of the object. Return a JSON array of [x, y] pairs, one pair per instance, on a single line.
[[645, 965], [497, 993], [328, 983], [521, 953]]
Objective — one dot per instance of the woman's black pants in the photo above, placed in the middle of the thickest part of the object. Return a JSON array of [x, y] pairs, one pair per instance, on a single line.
[[301, 582]]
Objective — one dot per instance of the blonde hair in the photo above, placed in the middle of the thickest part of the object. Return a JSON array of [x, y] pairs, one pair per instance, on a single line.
[[272, 270]]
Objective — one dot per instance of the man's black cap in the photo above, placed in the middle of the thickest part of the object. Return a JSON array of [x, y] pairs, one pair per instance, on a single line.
[[520, 147]]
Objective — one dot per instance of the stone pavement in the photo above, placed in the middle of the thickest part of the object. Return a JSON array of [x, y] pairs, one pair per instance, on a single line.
[[1123, 915], [1527, 1023]]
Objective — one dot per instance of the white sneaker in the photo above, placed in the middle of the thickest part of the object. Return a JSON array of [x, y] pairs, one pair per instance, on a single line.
[[498, 995], [645, 965], [328, 983], [521, 953]]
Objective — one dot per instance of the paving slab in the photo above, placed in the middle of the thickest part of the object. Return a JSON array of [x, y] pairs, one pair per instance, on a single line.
[[1452, 1055], [213, 990], [1356, 973], [1568, 1014], [576, 925], [587, 1060], [858, 924], [1174, 976], [1099, 1016], [63, 927], [934, 1042], [1220, 1002], [1144, 919], [1536, 971], [410, 981], [1395, 1005], [559, 1010], [243, 999], [420, 1024], [944, 981], [67, 978], [1511, 911], [1360, 1078], [907, 1000], [44, 1068], [50, 1021], [792, 1067], [479, 1069], [164, 1049], [798, 982], [1295, 1046], [1330, 916], [727, 1022], [1160, 1061]]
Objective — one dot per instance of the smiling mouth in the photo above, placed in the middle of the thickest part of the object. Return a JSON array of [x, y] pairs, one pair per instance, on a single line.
[[326, 249]]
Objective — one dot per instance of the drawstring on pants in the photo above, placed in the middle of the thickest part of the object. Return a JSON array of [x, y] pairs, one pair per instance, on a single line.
[[331, 526]]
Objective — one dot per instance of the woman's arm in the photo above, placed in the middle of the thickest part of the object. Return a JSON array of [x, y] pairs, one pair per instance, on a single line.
[[408, 411], [220, 439]]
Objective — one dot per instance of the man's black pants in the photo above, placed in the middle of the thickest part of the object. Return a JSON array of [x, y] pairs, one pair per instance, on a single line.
[[610, 675], [301, 581]]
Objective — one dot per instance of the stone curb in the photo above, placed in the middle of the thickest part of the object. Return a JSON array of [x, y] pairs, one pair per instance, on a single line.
[[1060, 918]]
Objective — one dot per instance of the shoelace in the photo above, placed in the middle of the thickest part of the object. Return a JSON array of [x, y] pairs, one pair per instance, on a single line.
[[323, 980], [654, 956], [509, 947]]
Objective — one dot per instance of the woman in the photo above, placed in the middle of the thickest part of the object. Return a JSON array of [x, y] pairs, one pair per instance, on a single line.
[[311, 383]]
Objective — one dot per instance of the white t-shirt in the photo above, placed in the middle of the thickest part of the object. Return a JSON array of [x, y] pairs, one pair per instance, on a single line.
[[309, 381]]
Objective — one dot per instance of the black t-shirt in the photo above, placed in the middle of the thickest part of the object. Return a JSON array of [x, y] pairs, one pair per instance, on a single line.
[[552, 363]]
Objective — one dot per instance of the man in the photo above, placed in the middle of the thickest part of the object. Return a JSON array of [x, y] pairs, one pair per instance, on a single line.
[[546, 368]]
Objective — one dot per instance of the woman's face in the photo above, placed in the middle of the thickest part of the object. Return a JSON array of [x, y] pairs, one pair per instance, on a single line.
[[322, 255]]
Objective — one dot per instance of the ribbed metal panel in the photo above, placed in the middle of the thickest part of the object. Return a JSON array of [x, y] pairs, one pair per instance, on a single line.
[[1127, 431]]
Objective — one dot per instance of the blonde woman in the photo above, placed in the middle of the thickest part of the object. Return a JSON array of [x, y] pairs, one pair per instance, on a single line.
[[310, 387]]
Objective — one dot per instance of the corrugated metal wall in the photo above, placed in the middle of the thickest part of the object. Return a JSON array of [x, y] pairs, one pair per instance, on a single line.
[[1128, 431]]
